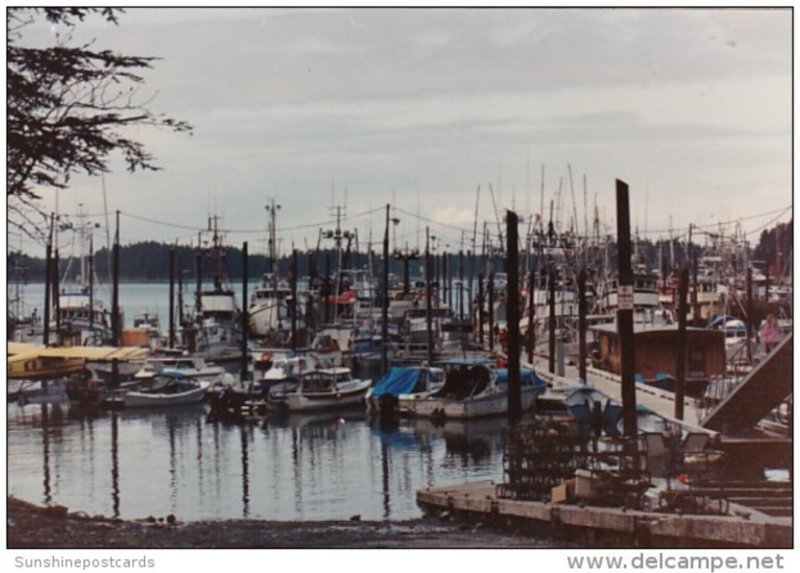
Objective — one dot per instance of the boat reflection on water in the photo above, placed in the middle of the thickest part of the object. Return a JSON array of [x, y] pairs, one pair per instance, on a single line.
[[143, 462]]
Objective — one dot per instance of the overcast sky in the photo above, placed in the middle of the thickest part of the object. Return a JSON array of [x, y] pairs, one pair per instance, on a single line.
[[419, 107]]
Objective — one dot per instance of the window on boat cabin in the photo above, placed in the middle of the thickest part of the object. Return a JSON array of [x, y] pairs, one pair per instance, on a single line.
[[342, 377], [317, 382], [697, 362]]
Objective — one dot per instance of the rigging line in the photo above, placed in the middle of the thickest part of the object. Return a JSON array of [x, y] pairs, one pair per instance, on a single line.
[[250, 231], [768, 223], [731, 222], [437, 223]]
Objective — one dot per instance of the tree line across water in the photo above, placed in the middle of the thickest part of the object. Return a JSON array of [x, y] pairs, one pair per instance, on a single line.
[[149, 260]]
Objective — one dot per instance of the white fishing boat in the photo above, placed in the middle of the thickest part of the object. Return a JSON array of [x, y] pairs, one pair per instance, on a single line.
[[271, 306], [473, 389], [171, 389], [322, 389]]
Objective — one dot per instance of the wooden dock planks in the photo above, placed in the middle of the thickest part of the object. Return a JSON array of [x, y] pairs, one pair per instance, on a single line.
[[478, 500]]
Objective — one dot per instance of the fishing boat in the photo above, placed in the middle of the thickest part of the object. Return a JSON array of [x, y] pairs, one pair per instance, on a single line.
[[322, 389], [473, 389], [166, 389], [271, 308], [401, 385], [215, 332], [79, 317]]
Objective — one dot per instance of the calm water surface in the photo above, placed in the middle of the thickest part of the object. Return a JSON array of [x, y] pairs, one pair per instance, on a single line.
[[139, 463]]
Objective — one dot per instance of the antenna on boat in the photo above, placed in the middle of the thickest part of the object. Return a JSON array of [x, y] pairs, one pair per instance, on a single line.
[[497, 218]]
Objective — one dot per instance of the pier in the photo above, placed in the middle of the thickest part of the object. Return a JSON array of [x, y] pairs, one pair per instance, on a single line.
[[608, 526]]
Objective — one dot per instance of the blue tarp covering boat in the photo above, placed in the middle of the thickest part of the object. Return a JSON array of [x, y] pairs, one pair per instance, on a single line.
[[398, 380]]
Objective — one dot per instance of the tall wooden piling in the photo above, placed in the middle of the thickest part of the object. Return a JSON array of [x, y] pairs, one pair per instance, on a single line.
[[91, 282], [198, 261], [385, 297], [695, 291], [582, 325], [295, 305], [551, 320], [490, 308], [445, 286], [245, 360], [116, 326], [680, 371], [531, 335], [56, 298], [428, 292], [172, 297], [625, 311], [48, 279], [326, 290], [749, 321], [513, 317], [480, 309], [461, 284], [180, 291]]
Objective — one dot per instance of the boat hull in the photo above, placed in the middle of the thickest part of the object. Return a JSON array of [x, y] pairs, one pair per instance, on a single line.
[[309, 401], [150, 400], [494, 404]]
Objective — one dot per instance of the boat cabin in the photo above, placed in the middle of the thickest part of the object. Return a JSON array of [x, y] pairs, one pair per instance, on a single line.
[[466, 377], [324, 380], [656, 351]]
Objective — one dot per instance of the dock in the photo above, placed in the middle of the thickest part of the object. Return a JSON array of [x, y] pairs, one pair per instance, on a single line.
[[607, 526]]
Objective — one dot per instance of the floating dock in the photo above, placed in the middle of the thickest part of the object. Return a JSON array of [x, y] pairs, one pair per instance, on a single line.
[[608, 526]]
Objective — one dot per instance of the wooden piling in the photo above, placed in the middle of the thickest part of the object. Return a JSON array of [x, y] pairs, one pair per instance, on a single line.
[[513, 317], [480, 309], [531, 338], [91, 282], [461, 284], [294, 299], [198, 261], [680, 371], [48, 279], [582, 325], [551, 321], [56, 298], [245, 361], [625, 311], [172, 298], [385, 297], [116, 326], [428, 293], [749, 321], [490, 308]]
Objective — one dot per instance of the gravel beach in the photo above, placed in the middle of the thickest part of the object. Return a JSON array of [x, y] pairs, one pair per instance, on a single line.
[[57, 527]]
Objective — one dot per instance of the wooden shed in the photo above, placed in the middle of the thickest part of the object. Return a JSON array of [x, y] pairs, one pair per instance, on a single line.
[[656, 355]]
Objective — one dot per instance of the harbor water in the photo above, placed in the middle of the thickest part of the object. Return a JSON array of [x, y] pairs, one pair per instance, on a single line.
[[136, 463], [133, 464]]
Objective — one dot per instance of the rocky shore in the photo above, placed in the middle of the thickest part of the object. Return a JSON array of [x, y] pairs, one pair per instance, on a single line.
[[56, 527]]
